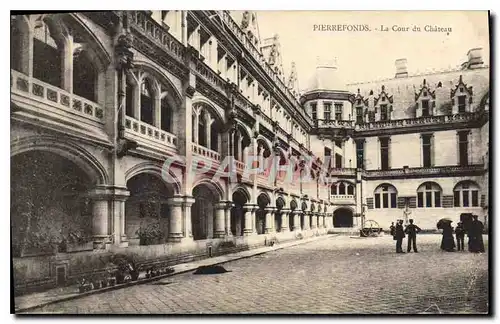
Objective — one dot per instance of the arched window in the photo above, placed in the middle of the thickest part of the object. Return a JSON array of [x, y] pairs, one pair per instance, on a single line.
[[385, 196], [129, 100], [429, 195], [19, 36], [47, 57], [341, 189], [214, 137], [193, 127], [466, 194], [84, 76], [146, 102], [166, 115], [202, 130]]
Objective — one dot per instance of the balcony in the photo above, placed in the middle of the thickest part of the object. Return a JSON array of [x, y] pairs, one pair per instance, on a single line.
[[259, 58], [243, 103], [209, 76], [428, 122], [346, 172], [54, 105], [205, 152], [343, 199], [144, 23], [441, 171], [148, 135], [323, 123]]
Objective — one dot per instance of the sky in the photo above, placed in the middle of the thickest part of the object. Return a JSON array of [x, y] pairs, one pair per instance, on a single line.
[[371, 55]]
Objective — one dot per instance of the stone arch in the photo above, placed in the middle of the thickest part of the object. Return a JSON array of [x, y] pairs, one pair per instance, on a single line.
[[215, 187], [343, 217], [264, 196], [99, 51], [207, 194], [293, 204], [173, 95], [280, 202], [462, 182], [154, 168], [65, 148], [147, 210], [244, 192], [207, 105]]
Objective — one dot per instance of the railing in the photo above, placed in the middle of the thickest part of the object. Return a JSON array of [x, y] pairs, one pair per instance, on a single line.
[[345, 199], [409, 122], [203, 151], [343, 171], [425, 171], [56, 97], [210, 76], [268, 122], [335, 123], [243, 103], [240, 166], [150, 132], [250, 47], [146, 24]]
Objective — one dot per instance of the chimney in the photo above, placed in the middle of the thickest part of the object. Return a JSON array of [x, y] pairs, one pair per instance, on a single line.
[[475, 58], [401, 68]]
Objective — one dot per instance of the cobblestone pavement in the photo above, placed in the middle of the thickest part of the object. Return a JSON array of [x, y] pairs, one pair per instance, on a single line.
[[332, 276]]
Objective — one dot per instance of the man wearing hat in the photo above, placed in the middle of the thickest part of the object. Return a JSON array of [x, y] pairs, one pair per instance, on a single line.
[[412, 230]]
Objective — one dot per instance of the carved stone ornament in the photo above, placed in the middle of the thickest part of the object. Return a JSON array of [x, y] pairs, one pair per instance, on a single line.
[[124, 55]]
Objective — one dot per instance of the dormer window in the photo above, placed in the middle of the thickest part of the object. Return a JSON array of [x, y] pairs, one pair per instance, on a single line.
[[461, 89], [383, 98], [425, 108], [461, 104], [425, 93]]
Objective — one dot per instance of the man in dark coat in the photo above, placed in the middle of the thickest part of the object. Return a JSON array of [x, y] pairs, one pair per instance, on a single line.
[[400, 235], [412, 231], [476, 236], [459, 234]]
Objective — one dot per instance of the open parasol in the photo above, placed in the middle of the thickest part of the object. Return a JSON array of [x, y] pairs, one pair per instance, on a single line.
[[443, 221]]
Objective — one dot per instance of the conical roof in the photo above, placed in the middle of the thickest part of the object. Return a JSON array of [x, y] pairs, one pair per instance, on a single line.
[[326, 77]]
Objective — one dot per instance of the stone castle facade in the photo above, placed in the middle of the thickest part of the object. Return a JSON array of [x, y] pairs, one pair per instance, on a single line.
[[175, 135]]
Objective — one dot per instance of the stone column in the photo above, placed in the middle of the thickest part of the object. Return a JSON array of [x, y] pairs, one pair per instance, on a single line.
[[176, 220], [67, 64], [296, 220], [186, 209], [220, 220], [269, 228], [120, 195], [100, 217], [227, 213], [249, 216], [313, 219], [307, 216], [285, 213]]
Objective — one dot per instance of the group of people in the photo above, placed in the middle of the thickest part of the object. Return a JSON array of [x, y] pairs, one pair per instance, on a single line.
[[474, 231], [398, 232]]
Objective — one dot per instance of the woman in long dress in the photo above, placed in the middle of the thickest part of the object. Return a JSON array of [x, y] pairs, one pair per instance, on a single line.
[[448, 242]]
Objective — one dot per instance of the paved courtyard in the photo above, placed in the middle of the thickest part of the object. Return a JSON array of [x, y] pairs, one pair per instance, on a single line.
[[332, 276]]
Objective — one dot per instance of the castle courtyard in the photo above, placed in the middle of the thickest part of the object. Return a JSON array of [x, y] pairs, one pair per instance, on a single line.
[[334, 275]]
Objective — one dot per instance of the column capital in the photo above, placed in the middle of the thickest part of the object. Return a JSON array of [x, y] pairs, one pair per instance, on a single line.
[[107, 192], [188, 201], [250, 207], [270, 209], [286, 210], [175, 201]]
